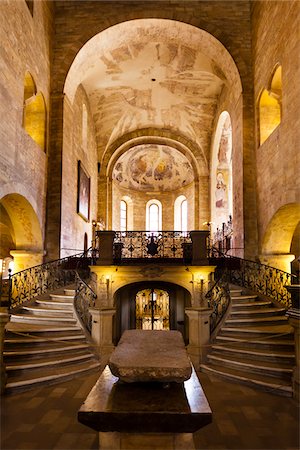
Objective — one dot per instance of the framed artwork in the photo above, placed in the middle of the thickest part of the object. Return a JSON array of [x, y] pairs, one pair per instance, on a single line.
[[83, 193]]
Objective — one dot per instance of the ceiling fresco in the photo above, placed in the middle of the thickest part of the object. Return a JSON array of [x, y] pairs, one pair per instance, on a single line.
[[149, 73], [152, 168]]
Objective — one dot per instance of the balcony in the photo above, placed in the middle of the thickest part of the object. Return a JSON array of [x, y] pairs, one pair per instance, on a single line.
[[140, 247]]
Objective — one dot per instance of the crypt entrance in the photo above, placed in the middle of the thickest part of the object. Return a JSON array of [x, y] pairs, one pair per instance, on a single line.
[[151, 305]]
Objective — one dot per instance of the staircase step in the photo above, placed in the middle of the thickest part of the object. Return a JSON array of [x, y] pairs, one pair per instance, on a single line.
[[255, 320], [24, 341], [69, 292], [39, 377], [235, 292], [54, 304], [263, 368], [283, 330], [258, 312], [251, 305], [41, 351], [23, 318], [62, 298], [261, 354], [51, 312], [265, 383], [243, 297], [47, 362], [259, 343]]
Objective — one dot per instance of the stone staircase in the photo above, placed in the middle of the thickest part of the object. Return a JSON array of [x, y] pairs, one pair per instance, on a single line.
[[44, 343], [254, 346]]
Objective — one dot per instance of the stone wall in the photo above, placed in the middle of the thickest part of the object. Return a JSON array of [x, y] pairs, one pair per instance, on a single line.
[[275, 40], [139, 202], [25, 44], [73, 225]]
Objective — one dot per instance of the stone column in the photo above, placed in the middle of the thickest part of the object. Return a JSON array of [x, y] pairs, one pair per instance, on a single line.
[[106, 240], [294, 320], [199, 334], [103, 331], [199, 240], [281, 262], [23, 259], [4, 319]]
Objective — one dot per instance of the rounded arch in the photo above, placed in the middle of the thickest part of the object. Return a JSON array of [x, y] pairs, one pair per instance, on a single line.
[[124, 299], [180, 214], [26, 227], [193, 36], [280, 230], [153, 215], [221, 173]]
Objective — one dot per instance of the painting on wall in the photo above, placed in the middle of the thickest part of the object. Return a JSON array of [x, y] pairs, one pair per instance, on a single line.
[[83, 193]]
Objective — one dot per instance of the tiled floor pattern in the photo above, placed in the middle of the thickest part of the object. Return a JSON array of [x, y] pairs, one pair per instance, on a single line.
[[243, 418]]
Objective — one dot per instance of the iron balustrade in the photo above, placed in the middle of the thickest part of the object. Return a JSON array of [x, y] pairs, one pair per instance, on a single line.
[[85, 299], [262, 279], [152, 245], [218, 298]]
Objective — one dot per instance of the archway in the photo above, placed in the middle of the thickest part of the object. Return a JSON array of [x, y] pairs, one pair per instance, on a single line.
[[221, 181], [22, 231], [130, 306], [278, 237]]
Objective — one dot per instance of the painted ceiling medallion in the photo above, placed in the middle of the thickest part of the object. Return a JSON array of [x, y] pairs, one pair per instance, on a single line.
[[151, 167]]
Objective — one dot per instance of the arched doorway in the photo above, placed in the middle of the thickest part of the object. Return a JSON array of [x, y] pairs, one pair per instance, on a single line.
[[152, 309], [150, 305]]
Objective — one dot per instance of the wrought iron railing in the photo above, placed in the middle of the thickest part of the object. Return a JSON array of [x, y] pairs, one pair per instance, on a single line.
[[262, 279], [152, 245], [218, 298], [85, 299], [222, 237], [38, 280]]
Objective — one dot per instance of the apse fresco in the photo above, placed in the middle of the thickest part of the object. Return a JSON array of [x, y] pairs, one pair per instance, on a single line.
[[151, 167]]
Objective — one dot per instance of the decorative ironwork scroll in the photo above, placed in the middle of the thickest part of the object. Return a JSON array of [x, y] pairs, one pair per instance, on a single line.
[[218, 298], [84, 299], [145, 244], [37, 280], [262, 279]]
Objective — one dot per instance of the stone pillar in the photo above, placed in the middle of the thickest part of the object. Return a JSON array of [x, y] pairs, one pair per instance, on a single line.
[[23, 259], [199, 240], [4, 319], [294, 320], [281, 262], [106, 240], [199, 334], [103, 331]]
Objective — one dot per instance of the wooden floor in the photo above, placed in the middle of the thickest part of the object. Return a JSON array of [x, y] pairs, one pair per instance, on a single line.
[[243, 418]]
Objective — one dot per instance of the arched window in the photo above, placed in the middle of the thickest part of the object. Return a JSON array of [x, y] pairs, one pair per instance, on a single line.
[[123, 215], [84, 132], [34, 112], [154, 216], [270, 107], [180, 214]]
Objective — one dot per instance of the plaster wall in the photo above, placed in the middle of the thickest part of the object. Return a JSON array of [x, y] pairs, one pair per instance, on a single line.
[[275, 38], [73, 226], [25, 46]]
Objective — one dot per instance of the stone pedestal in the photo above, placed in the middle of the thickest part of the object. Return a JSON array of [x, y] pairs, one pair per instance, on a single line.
[[23, 259], [145, 416], [199, 240], [199, 334], [106, 240], [4, 319], [102, 331], [294, 320], [146, 441]]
